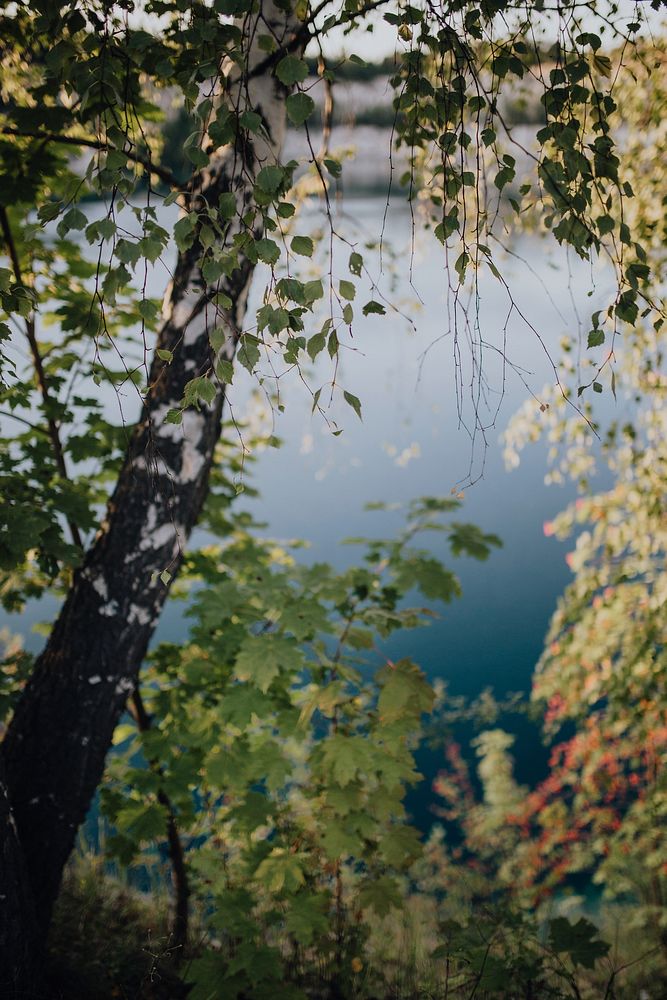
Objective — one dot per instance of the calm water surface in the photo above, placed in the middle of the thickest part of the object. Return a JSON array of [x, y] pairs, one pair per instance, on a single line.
[[412, 442]]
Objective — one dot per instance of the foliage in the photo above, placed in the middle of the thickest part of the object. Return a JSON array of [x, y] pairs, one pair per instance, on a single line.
[[283, 761], [600, 680], [603, 669], [88, 122], [108, 940], [418, 952]]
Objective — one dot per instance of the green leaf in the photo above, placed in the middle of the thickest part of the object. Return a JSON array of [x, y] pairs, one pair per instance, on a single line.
[[428, 575], [347, 289], [342, 756], [74, 219], [150, 248], [212, 271], [242, 702], [299, 108], [251, 121], [199, 389], [315, 345], [267, 251], [291, 70], [184, 231], [404, 691], [248, 352], [270, 179], [225, 371], [338, 840], [142, 822], [380, 895], [254, 811], [205, 974], [312, 291], [333, 166], [127, 251], [400, 846], [307, 918], [227, 205], [447, 227], [124, 732], [281, 870], [148, 310], [471, 540], [207, 236], [605, 224], [356, 263], [303, 245], [263, 658], [49, 211], [116, 159], [267, 43], [354, 402], [602, 64], [580, 941], [196, 155]]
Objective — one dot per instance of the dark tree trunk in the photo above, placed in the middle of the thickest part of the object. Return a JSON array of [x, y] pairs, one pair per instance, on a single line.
[[57, 742], [17, 916]]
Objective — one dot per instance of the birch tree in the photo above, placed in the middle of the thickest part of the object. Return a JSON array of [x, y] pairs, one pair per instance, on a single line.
[[55, 748], [82, 78]]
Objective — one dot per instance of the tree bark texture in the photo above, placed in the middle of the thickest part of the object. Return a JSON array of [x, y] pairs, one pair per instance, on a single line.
[[55, 748], [17, 917]]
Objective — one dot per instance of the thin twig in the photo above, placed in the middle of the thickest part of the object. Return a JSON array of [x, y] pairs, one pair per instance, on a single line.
[[47, 399]]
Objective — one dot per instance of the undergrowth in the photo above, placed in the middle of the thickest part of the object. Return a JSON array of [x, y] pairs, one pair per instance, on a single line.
[[109, 940]]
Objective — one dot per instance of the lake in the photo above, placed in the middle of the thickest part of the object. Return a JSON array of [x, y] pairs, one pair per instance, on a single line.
[[415, 439]]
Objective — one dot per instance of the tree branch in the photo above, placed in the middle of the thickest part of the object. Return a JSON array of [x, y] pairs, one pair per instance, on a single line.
[[47, 399], [176, 854], [70, 140], [306, 31]]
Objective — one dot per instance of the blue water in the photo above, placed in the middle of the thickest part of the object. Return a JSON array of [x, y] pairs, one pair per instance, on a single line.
[[412, 442]]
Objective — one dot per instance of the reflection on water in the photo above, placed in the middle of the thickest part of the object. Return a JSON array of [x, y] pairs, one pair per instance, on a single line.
[[418, 396]]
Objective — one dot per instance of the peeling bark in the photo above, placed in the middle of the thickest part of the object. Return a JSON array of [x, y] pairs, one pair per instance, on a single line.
[[57, 742]]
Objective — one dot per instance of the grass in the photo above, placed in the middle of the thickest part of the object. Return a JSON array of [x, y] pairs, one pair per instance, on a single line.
[[110, 941]]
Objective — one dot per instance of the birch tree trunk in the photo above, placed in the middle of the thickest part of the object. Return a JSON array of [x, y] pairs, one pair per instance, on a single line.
[[55, 748]]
